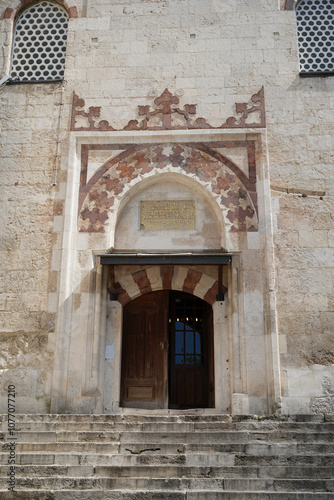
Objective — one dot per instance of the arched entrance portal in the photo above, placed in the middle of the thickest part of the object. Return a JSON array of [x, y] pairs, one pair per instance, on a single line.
[[167, 352]]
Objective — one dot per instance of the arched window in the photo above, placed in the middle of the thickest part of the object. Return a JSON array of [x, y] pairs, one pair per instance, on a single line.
[[315, 20], [40, 44]]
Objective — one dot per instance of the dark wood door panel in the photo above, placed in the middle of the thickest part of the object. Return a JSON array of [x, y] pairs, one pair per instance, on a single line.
[[190, 352], [144, 352]]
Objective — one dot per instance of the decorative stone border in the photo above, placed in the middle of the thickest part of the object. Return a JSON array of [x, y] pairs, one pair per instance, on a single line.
[[166, 108]]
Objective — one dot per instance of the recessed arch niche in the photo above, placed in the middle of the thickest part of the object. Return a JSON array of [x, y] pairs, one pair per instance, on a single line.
[[208, 232]]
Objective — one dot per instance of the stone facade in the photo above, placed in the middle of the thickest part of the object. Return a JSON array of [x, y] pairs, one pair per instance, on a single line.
[[168, 100]]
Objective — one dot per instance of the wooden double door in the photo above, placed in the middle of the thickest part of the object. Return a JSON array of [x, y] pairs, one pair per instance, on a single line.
[[167, 352]]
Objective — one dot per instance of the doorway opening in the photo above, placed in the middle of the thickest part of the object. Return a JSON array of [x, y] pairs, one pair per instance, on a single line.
[[167, 352]]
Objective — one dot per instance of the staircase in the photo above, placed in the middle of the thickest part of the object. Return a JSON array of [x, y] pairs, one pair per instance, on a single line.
[[174, 457]]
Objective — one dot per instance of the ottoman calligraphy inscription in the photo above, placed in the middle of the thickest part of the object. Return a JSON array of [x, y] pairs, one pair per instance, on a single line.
[[167, 215]]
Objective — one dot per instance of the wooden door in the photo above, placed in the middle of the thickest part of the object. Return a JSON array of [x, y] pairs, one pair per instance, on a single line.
[[145, 352], [191, 354], [167, 352]]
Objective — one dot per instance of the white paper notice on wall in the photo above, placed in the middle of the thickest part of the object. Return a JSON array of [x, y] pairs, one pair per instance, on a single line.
[[110, 352]]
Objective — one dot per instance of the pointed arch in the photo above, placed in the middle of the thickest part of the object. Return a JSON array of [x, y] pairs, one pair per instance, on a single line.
[[234, 191]]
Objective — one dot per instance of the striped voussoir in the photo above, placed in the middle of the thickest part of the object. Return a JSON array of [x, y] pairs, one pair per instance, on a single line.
[[153, 278]]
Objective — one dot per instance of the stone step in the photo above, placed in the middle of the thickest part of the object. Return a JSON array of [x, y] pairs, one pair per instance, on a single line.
[[288, 448], [189, 456], [173, 437], [147, 457], [281, 426], [117, 426], [125, 448], [98, 494], [134, 437], [173, 483], [290, 436], [128, 418], [191, 416], [170, 471], [150, 456], [293, 460], [69, 447]]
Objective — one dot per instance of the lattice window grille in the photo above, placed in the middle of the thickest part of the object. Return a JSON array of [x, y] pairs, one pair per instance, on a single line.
[[40, 44], [315, 25]]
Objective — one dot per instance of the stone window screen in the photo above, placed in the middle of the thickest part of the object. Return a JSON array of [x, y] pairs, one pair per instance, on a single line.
[[315, 25], [40, 44]]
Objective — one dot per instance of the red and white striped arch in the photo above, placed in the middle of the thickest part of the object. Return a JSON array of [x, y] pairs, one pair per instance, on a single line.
[[189, 279]]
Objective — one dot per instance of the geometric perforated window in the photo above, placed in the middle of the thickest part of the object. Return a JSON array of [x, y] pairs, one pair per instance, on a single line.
[[40, 44], [315, 25]]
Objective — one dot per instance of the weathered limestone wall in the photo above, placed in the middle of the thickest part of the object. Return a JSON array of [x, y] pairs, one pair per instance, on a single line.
[[122, 55], [29, 211]]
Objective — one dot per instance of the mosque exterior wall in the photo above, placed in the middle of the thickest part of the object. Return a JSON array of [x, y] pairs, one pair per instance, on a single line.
[[176, 101]]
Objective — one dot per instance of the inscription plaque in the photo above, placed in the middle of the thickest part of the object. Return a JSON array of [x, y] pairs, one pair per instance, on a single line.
[[167, 215]]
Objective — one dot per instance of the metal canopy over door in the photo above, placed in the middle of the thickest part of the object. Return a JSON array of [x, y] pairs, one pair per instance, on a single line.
[[167, 353]]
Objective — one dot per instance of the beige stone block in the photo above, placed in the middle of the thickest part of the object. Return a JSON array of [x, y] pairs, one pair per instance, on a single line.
[[240, 404], [85, 260], [74, 384], [331, 237], [138, 59], [128, 284], [255, 356], [56, 260], [204, 284], [154, 276], [98, 241], [295, 405], [327, 323], [253, 241], [284, 383], [82, 241], [257, 381], [283, 347], [252, 282], [58, 223], [313, 238], [180, 274], [220, 313], [138, 47], [101, 23], [3, 300], [53, 302], [323, 257], [301, 382], [317, 302], [291, 323]]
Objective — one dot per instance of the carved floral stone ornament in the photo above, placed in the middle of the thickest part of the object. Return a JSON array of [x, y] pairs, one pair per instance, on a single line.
[[234, 190], [166, 115]]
